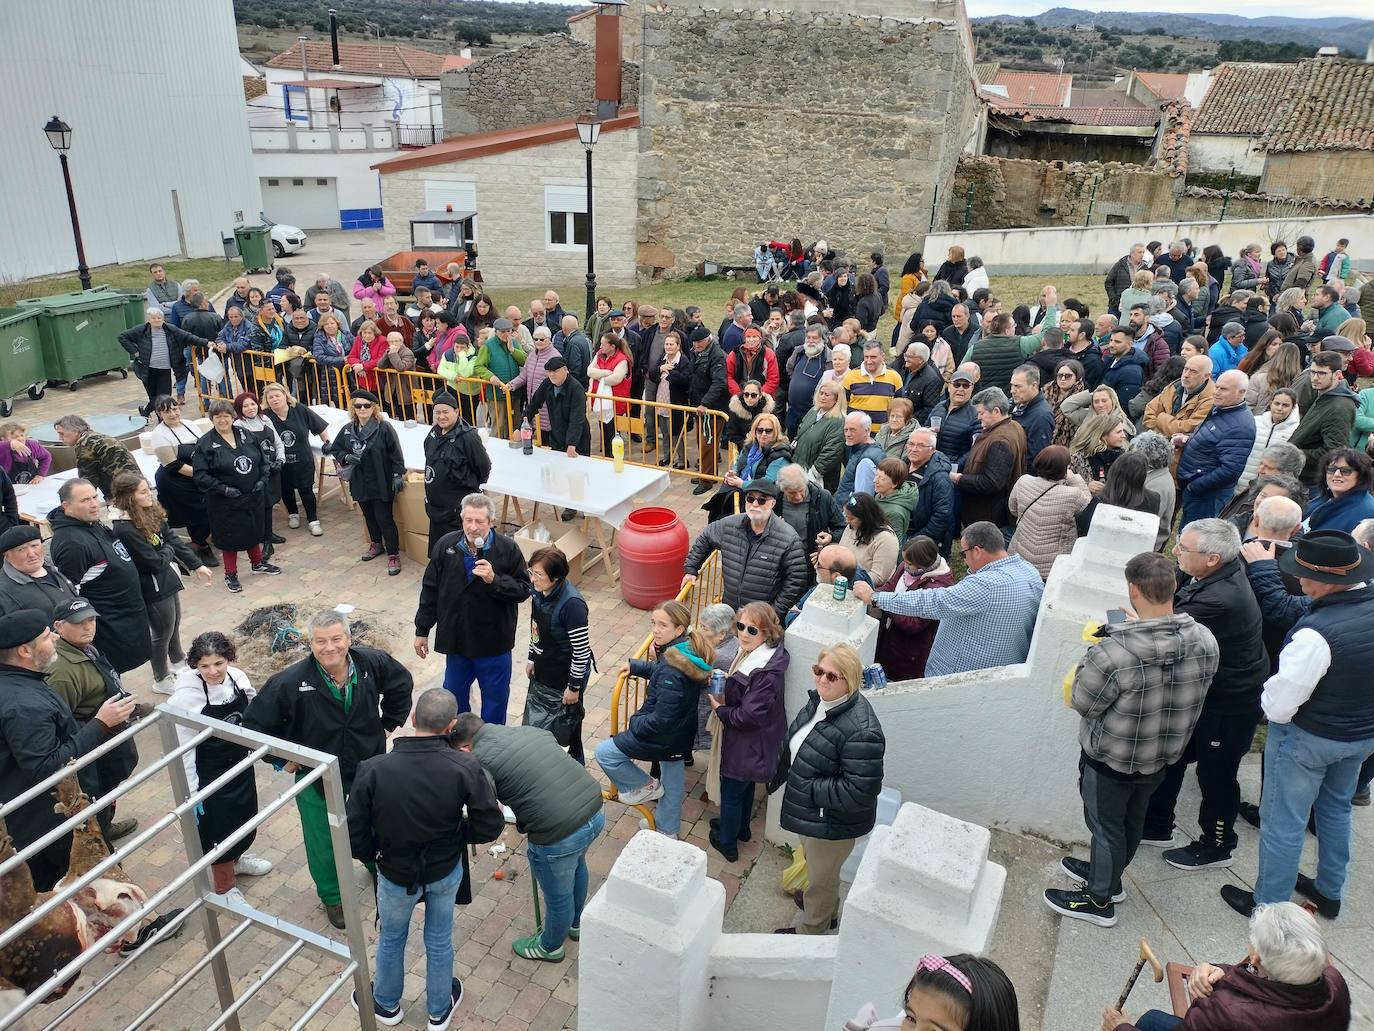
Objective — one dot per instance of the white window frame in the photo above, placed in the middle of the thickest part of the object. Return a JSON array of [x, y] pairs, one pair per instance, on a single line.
[[565, 200]]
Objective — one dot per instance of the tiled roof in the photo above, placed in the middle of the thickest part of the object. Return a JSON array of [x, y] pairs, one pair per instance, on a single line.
[[1106, 98], [1332, 109], [1173, 151], [500, 141], [1243, 98], [1032, 88], [364, 59], [1164, 85], [986, 71], [1076, 115], [254, 86]]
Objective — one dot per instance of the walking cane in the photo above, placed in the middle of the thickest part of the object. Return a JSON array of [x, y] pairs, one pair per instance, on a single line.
[[538, 916]]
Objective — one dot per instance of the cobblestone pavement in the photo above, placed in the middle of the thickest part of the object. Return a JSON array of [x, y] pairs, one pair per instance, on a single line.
[[502, 991]]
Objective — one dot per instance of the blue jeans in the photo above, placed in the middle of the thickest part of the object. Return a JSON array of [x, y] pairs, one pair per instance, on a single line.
[[736, 806], [493, 679], [561, 870], [394, 907], [626, 776], [1301, 769], [1157, 1020]]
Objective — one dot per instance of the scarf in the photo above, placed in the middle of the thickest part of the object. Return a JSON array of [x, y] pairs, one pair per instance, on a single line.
[[271, 325], [364, 351]]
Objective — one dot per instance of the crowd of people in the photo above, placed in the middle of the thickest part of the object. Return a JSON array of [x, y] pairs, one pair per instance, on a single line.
[[1227, 415]]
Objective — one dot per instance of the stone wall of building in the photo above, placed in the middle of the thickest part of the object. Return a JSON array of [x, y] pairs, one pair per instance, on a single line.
[[583, 28], [768, 120], [547, 80], [1343, 174], [1010, 193]]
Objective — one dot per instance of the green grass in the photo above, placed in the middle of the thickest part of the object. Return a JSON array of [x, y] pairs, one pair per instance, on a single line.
[[213, 273]]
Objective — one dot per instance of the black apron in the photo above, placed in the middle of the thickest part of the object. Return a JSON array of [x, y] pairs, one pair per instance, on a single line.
[[235, 803], [544, 707], [22, 471], [177, 494]]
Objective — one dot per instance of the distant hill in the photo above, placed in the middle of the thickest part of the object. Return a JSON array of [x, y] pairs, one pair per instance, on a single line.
[[1350, 34]]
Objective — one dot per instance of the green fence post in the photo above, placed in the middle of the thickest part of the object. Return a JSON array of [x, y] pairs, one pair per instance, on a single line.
[[1227, 199]]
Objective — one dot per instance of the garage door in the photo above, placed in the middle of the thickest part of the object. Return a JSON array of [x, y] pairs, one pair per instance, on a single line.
[[309, 203]]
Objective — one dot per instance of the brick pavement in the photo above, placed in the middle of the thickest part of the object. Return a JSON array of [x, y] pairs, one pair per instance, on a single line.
[[503, 992]]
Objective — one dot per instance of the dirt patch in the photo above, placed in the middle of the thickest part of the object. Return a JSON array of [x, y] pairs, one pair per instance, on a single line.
[[272, 637]]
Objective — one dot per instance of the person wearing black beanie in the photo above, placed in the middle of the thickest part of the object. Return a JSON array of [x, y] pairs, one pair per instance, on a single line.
[[456, 465]]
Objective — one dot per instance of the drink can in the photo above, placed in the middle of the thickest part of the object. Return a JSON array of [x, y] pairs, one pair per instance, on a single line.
[[841, 587], [717, 687], [875, 677]]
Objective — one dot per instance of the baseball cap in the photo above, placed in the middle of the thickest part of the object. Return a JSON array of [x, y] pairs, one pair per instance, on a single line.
[[78, 610]]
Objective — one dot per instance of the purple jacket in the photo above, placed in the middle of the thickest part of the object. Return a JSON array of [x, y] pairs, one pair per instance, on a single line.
[[41, 454], [754, 721]]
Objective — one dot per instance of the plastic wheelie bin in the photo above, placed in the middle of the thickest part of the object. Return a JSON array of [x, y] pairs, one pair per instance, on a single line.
[[80, 334], [21, 357], [135, 305], [255, 247]]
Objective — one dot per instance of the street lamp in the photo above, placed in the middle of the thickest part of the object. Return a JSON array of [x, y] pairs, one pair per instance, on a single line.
[[589, 131], [59, 134]]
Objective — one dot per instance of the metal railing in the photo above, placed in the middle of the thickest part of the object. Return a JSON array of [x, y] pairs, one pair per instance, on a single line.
[[322, 769]]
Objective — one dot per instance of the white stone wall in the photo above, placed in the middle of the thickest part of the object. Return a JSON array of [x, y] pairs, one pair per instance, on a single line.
[[352, 172], [511, 221], [1209, 152]]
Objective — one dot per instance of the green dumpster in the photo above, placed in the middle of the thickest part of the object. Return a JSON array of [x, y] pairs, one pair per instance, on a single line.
[[21, 357], [135, 305], [80, 334], [255, 247]]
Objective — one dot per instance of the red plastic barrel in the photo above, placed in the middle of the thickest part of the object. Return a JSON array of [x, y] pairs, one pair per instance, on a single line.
[[653, 546]]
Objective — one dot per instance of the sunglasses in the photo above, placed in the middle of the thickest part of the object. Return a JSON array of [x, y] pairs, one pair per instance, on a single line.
[[1064, 375], [1340, 470], [362, 404], [752, 397], [744, 628], [824, 674], [757, 499]]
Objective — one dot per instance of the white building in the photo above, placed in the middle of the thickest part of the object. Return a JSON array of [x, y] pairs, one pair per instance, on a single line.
[[321, 126], [1236, 112], [159, 158], [528, 187]]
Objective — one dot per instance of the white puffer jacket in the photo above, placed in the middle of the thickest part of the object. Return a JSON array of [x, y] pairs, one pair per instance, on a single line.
[[1266, 435]]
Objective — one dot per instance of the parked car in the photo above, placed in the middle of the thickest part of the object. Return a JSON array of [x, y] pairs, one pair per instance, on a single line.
[[285, 239]]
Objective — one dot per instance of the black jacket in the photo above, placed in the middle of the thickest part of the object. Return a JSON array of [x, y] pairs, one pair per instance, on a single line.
[[154, 560], [206, 325], [377, 464], [139, 343], [933, 309], [822, 516], [708, 387], [405, 810], [1225, 604], [567, 408], [298, 705], [474, 618], [1117, 280], [923, 389], [18, 591], [833, 784], [665, 724], [770, 567], [9, 503], [89, 555], [38, 736], [233, 481], [456, 465]]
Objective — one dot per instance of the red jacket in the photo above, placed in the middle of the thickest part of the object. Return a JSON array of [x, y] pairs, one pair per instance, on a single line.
[[904, 641], [1241, 1000], [735, 360], [367, 380]]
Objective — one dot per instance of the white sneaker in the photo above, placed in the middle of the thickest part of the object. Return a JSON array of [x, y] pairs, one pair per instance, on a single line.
[[165, 684], [508, 813], [249, 865], [293, 521], [316, 530], [233, 896], [647, 793]]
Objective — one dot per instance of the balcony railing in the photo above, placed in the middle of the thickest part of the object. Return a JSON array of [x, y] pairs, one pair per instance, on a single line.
[[295, 139]]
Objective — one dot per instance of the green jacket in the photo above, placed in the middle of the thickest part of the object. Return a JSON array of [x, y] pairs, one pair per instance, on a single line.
[[898, 507], [551, 793], [820, 443], [77, 680], [1364, 418], [1325, 425], [505, 365]]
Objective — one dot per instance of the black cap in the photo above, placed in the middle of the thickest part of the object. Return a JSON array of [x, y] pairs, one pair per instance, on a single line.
[[762, 486], [555, 363], [700, 333], [78, 610], [363, 395], [19, 535], [443, 397], [21, 627]]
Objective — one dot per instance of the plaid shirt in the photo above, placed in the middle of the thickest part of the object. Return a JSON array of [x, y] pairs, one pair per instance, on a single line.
[[1140, 691]]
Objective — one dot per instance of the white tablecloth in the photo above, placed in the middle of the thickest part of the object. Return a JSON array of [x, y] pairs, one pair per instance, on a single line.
[[37, 500], [587, 485]]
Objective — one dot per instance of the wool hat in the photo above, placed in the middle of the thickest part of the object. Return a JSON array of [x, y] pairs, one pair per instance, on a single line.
[[443, 397], [1329, 557], [363, 395], [754, 331], [1337, 343], [648, 311], [17, 536], [77, 610], [616, 313], [21, 627], [555, 363], [700, 333]]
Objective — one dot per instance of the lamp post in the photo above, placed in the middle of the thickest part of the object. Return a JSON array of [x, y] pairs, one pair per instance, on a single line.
[[59, 134], [589, 131]]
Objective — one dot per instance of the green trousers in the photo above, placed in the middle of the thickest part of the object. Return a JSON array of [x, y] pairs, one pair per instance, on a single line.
[[319, 849]]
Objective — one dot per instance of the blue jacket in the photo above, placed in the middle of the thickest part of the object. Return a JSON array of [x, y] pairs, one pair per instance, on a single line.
[[1341, 707], [955, 435], [1215, 454], [236, 340], [1224, 356], [666, 724], [1343, 513], [854, 455], [324, 352], [429, 282], [1125, 375], [933, 515], [1037, 419], [180, 309]]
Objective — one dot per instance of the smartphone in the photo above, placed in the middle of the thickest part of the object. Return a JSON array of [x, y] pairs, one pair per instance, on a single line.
[[1116, 616]]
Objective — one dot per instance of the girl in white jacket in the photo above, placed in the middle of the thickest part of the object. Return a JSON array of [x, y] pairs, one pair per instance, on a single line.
[[1272, 427], [210, 685]]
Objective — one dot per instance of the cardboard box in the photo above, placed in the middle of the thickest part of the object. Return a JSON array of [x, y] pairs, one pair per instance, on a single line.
[[416, 547], [409, 508], [567, 539]]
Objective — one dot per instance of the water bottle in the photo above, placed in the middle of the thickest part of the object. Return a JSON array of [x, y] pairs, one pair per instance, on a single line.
[[526, 437], [717, 687], [841, 588], [618, 453]]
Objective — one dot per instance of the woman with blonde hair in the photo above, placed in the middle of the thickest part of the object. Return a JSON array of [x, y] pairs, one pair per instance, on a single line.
[[747, 722], [1098, 401], [663, 728], [1361, 363], [765, 450], [819, 444], [1138, 292], [368, 454], [830, 767], [1099, 442]]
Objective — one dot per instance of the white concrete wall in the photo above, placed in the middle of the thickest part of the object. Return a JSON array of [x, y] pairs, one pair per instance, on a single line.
[[511, 221], [1069, 250], [1209, 152], [420, 103], [358, 184]]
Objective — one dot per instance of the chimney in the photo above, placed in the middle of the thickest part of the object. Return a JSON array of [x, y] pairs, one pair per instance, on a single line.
[[608, 57], [334, 35]]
